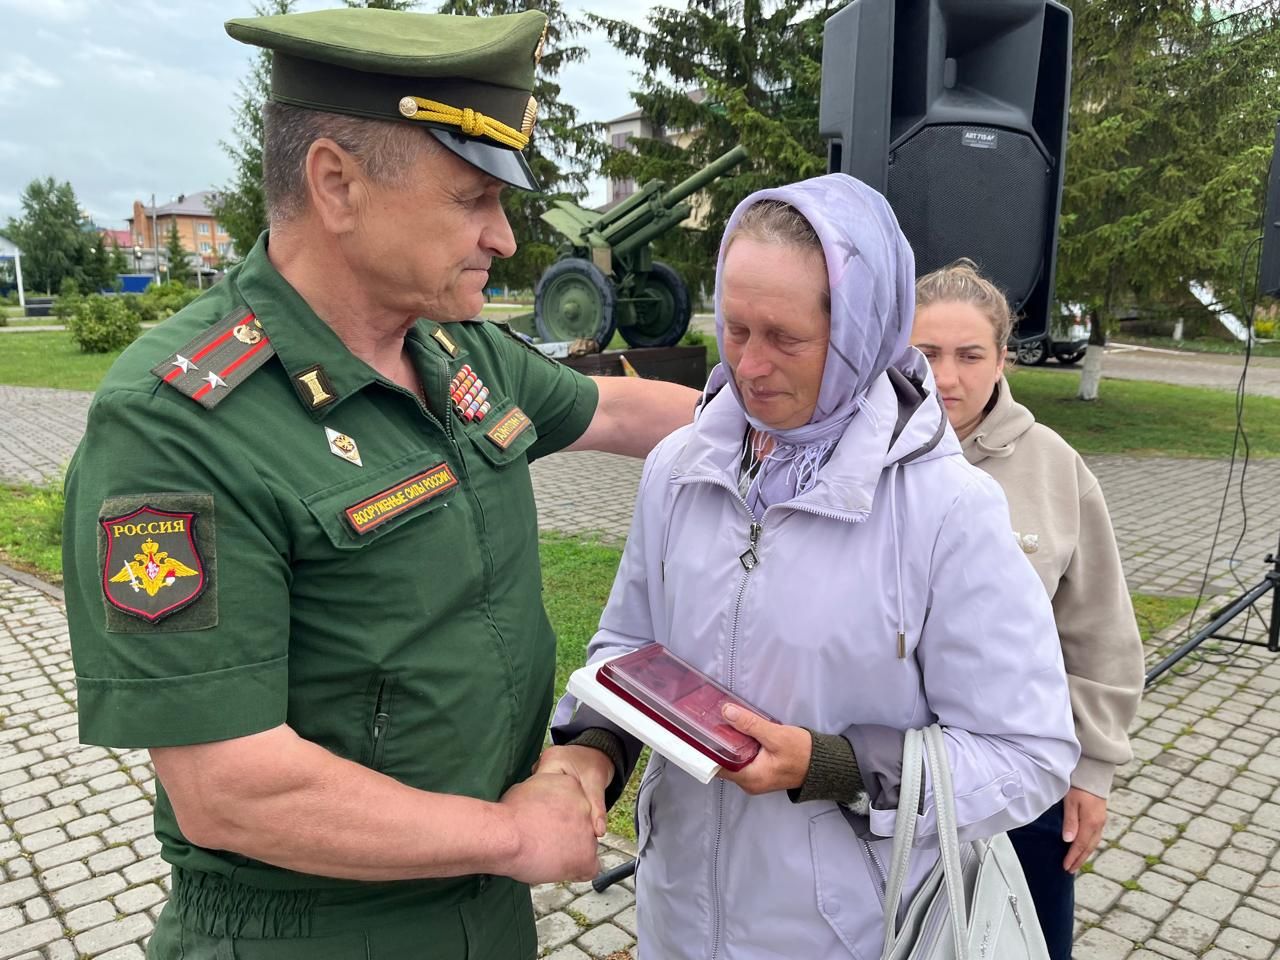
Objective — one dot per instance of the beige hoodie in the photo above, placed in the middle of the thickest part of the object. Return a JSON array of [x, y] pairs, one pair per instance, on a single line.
[[1061, 523]]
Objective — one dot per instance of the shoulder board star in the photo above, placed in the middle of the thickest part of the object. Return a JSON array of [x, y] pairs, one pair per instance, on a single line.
[[230, 350]]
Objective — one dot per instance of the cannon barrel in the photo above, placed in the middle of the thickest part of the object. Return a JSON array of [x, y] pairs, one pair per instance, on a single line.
[[697, 181]]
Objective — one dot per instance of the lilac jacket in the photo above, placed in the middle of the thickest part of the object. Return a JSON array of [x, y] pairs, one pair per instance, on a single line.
[[900, 535]]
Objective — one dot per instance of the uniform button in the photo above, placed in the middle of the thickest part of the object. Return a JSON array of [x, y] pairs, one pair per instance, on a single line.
[[1010, 789], [832, 909]]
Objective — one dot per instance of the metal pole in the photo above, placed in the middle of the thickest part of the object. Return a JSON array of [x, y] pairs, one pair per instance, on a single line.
[[17, 266], [155, 238]]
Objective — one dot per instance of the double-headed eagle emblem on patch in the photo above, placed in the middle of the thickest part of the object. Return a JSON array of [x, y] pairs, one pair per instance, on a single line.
[[152, 569]]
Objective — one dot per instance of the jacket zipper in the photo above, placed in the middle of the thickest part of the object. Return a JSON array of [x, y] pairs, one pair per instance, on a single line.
[[750, 559], [880, 872], [381, 718]]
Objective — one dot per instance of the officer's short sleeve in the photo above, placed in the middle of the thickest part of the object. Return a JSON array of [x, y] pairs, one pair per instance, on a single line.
[[176, 575], [559, 400]]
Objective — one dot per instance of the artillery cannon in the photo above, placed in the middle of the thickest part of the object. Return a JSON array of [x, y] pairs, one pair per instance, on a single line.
[[606, 276]]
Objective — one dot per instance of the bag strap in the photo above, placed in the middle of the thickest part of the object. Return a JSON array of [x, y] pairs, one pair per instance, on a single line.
[[944, 805], [904, 830]]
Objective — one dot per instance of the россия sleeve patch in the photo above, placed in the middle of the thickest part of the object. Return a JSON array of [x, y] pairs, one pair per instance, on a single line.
[[176, 589]]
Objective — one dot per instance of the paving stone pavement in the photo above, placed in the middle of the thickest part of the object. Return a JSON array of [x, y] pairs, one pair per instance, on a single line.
[[1190, 866], [1191, 861]]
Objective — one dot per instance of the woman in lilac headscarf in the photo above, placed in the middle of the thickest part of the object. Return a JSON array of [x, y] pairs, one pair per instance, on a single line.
[[816, 542]]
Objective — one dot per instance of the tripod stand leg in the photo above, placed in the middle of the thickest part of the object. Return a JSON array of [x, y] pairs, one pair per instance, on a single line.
[[1229, 613]]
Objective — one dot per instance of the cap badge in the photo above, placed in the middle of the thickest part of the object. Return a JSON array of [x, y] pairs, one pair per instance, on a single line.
[[408, 107], [530, 117]]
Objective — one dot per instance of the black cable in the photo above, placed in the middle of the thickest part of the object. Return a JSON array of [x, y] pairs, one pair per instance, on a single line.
[[1249, 303]]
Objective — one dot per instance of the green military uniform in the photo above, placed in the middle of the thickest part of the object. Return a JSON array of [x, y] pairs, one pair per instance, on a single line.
[[262, 530]]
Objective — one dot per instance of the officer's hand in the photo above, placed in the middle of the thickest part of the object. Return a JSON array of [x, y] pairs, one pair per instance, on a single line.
[[783, 760], [552, 819], [590, 767]]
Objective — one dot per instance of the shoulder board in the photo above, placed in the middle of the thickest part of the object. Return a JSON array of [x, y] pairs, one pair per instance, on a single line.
[[506, 328], [220, 359]]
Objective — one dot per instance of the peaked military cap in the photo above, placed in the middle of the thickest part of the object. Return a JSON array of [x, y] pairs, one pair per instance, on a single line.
[[466, 79]]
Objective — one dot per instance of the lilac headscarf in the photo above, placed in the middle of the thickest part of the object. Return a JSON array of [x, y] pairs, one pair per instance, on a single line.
[[871, 272]]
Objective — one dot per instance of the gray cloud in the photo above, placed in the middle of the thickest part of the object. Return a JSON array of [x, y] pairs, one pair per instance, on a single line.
[[124, 98]]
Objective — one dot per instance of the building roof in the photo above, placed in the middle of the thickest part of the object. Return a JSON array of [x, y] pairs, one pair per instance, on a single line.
[[633, 115], [121, 238], [187, 205]]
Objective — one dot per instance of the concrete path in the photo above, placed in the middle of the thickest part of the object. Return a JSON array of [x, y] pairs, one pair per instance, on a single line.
[[1190, 868]]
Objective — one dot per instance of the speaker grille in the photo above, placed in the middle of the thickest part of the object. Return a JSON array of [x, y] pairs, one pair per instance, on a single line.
[[978, 192]]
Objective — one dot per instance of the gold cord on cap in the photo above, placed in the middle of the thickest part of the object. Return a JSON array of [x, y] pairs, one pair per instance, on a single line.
[[470, 122]]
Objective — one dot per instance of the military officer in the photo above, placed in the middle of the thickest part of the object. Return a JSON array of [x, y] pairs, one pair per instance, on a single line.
[[301, 548]]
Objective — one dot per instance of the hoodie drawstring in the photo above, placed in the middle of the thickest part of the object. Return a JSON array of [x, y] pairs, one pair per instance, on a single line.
[[897, 560]]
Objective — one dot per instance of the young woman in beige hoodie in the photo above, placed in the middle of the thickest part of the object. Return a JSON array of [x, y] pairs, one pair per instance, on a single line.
[[1060, 520]]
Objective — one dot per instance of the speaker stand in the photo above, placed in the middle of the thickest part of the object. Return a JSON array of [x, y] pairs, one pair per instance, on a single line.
[[1270, 583]]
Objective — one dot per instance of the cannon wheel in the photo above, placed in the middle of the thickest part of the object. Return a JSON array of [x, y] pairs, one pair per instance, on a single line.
[[574, 300], [661, 311]]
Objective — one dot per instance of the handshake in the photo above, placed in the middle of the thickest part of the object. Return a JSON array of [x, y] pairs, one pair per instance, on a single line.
[[558, 814]]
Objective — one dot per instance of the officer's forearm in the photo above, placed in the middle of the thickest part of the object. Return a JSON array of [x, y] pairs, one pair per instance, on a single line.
[[633, 415], [283, 800]]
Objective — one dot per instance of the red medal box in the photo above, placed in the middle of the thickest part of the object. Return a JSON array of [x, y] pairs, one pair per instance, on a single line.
[[683, 700]]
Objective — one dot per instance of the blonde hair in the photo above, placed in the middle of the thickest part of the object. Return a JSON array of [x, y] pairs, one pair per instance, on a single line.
[[962, 282], [778, 223]]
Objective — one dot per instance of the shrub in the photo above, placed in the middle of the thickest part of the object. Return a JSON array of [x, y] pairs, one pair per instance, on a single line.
[[1266, 328], [64, 307], [166, 299], [145, 310], [102, 324]]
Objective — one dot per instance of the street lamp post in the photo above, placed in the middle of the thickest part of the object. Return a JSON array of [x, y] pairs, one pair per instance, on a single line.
[[137, 258]]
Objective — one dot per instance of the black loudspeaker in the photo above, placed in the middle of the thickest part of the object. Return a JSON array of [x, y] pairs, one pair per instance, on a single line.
[[956, 110], [1269, 267]]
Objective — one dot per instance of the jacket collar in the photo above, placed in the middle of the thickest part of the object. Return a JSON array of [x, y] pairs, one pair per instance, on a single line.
[[847, 483], [305, 343]]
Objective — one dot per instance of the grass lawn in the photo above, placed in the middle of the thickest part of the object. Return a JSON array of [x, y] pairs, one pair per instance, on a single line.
[[50, 360], [31, 530], [1138, 418]]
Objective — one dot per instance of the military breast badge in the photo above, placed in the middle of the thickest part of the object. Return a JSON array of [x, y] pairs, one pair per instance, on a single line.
[[469, 395], [340, 445], [153, 567]]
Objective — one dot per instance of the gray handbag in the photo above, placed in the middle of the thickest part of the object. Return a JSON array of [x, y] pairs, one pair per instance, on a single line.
[[976, 892]]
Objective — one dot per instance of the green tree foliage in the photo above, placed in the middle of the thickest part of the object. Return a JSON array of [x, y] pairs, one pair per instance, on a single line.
[[754, 68], [119, 263], [562, 151], [1172, 117], [240, 205], [98, 274], [176, 255], [51, 237]]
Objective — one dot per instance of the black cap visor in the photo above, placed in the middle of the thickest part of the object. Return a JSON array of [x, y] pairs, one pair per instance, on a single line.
[[509, 166]]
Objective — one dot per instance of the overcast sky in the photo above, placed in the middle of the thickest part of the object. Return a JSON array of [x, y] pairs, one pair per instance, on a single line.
[[125, 98]]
